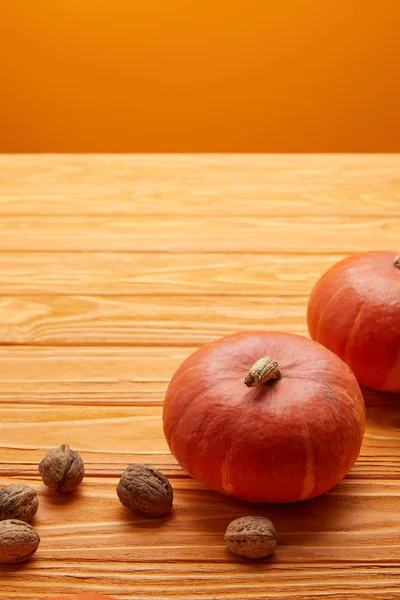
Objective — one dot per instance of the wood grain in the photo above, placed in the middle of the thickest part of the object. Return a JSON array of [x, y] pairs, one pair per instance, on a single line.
[[149, 274], [150, 233], [117, 376], [182, 556], [259, 185], [138, 320], [112, 270]]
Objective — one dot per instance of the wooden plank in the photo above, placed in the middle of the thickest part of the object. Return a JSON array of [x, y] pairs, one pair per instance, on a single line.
[[279, 185], [124, 392], [379, 584], [109, 465], [21, 462], [137, 320], [117, 376], [159, 274], [358, 582], [200, 581], [87, 376], [90, 542], [120, 430], [126, 371], [133, 433], [333, 234]]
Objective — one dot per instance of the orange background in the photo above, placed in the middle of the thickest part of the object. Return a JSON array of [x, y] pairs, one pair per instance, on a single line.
[[200, 75]]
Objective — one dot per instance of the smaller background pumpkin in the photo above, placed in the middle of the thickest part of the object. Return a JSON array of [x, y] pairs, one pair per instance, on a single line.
[[354, 310]]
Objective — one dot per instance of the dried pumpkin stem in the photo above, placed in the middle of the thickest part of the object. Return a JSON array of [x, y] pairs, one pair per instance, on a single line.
[[263, 370], [397, 261]]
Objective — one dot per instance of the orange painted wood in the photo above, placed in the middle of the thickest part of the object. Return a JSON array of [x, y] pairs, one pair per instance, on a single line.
[[200, 185], [112, 270], [142, 320], [89, 596], [158, 274], [197, 234]]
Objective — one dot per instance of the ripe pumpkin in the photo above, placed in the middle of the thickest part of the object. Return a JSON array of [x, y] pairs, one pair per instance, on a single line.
[[354, 310], [265, 417]]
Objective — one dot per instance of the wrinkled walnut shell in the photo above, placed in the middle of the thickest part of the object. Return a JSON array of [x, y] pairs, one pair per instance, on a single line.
[[252, 537], [18, 501], [18, 542], [146, 490], [62, 469]]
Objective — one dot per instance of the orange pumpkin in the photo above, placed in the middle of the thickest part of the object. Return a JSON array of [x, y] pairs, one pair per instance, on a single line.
[[265, 417], [354, 310]]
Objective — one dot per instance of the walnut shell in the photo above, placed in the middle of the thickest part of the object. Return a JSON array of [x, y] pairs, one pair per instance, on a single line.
[[146, 490], [252, 537], [62, 469], [18, 501], [18, 542]]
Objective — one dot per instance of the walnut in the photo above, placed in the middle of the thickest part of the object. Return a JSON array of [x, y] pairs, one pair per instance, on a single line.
[[18, 501], [62, 469], [18, 542], [252, 537], [146, 490]]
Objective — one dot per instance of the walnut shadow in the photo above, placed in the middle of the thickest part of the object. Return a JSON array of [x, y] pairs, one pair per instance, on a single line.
[[55, 498], [19, 568], [139, 521], [317, 512]]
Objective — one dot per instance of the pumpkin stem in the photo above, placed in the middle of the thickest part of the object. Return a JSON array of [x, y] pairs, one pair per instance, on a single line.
[[397, 261], [263, 370]]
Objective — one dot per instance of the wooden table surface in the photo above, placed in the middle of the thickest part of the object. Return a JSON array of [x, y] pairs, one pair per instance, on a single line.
[[112, 270]]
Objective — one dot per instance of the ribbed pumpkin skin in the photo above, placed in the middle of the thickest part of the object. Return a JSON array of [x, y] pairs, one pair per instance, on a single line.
[[286, 440], [354, 310]]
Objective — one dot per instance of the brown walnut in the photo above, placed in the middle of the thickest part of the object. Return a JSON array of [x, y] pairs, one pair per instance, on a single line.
[[18, 501], [252, 537], [18, 542], [62, 469], [146, 490]]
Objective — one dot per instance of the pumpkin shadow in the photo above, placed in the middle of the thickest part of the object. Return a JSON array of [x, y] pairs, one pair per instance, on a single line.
[[374, 398], [295, 522], [383, 410]]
